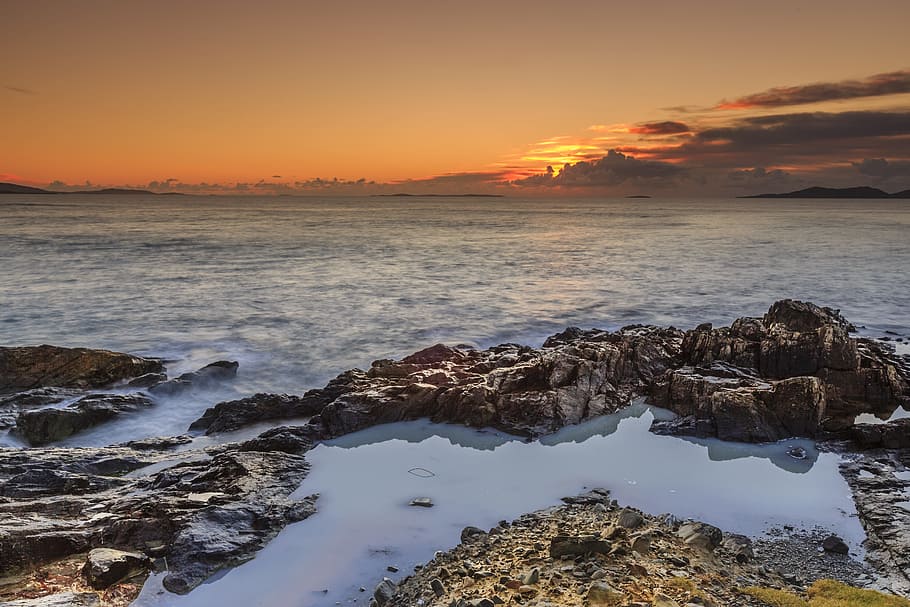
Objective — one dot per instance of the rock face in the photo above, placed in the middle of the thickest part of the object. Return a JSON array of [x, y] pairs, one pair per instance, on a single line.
[[794, 372], [205, 510], [48, 425], [24, 368], [577, 375]]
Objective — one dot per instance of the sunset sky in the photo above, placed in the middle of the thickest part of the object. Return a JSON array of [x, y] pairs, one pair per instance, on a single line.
[[655, 97]]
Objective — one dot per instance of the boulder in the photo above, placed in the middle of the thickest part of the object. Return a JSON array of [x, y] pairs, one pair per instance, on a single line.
[[104, 567], [701, 535], [577, 545], [52, 424], [28, 367]]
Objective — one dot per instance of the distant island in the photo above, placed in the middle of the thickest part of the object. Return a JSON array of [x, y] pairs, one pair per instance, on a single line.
[[820, 192], [406, 195], [638, 196], [15, 188]]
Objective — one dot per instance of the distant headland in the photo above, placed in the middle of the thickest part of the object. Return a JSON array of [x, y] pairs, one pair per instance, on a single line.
[[15, 188], [820, 192], [406, 195]]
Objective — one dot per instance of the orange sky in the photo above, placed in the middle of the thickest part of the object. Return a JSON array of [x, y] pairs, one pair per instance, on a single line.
[[223, 92]]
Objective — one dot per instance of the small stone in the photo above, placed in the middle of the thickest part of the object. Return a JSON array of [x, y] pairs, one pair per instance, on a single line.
[[532, 577], [630, 519], [642, 543], [392, 569], [423, 502], [662, 600], [384, 592], [834, 544], [601, 593], [437, 587], [105, 567]]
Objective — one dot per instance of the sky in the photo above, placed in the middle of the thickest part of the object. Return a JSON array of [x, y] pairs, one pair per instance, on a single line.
[[651, 97]]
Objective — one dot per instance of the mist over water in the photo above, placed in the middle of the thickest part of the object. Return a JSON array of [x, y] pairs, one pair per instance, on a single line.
[[299, 289]]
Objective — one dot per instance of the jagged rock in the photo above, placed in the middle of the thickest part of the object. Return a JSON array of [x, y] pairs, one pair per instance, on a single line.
[[601, 593], [48, 425], [795, 372], [235, 414], [78, 499], [147, 381], [28, 367], [469, 534], [104, 567], [12, 405], [206, 377]]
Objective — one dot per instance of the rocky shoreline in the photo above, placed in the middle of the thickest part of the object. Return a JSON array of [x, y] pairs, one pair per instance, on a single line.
[[797, 371]]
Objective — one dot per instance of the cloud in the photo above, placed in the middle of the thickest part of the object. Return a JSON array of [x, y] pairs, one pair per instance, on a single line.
[[891, 83], [809, 127], [20, 90], [879, 167], [667, 127], [613, 169]]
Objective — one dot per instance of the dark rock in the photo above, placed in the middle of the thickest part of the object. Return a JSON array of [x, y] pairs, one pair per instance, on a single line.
[[577, 545], [147, 381], [892, 435], [24, 368], [469, 534], [206, 377], [209, 510], [47, 425], [235, 414], [384, 592], [104, 567], [834, 544]]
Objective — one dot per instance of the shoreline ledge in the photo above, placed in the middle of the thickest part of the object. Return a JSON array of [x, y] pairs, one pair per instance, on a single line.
[[796, 371]]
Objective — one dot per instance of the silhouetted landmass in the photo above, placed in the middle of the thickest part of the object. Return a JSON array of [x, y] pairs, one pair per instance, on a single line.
[[819, 192], [119, 191], [15, 188], [638, 196], [405, 195]]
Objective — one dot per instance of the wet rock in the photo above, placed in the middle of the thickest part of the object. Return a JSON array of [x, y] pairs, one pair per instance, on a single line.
[[52, 424], [28, 367], [423, 502], [78, 499], [835, 544], [206, 377], [469, 534], [892, 435], [147, 381], [12, 405], [235, 414], [104, 567], [384, 592]]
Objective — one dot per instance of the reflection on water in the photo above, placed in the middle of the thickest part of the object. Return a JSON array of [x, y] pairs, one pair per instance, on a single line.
[[480, 477]]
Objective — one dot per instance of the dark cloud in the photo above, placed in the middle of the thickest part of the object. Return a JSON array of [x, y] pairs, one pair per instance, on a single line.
[[20, 90], [808, 127], [891, 83], [613, 169], [879, 167], [667, 127]]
